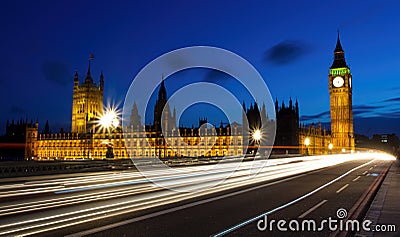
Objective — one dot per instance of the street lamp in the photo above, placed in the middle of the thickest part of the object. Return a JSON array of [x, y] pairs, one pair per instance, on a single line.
[[256, 135], [330, 147], [108, 122], [307, 143]]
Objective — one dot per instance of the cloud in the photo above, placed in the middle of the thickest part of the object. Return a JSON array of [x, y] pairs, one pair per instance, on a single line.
[[57, 72], [365, 107], [395, 88], [360, 112], [322, 115], [394, 115], [370, 110], [216, 76], [394, 99], [286, 52]]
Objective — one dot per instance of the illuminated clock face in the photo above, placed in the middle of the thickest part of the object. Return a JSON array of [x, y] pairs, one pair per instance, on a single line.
[[338, 82]]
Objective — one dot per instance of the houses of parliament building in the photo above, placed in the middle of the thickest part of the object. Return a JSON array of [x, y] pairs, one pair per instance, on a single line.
[[145, 141]]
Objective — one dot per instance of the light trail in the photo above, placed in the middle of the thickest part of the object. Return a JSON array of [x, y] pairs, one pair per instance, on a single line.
[[83, 199]]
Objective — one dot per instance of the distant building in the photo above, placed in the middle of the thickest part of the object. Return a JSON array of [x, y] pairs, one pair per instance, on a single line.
[[341, 102], [164, 138], [166, 120], [32, 149], [340, 138], [87, 104], [287, 127], [319, 139], [386, 142], [15, 131], [12, 143], [87, 141]]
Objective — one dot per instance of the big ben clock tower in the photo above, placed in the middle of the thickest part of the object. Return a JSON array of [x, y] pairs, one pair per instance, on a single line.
[[340, 91]]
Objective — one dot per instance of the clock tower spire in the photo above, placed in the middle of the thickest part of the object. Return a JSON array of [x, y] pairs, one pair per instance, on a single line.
[[341, 102], [339, 60]]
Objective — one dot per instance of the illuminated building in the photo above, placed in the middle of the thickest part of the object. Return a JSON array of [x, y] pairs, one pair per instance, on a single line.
[[318, 138], [87, 102], [87, 140], [165, 139], [340, 91]]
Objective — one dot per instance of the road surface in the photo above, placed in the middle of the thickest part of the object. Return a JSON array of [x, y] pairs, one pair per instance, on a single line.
[[229, 199]]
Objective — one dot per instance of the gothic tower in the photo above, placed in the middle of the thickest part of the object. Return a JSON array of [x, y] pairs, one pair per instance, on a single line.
[[135, 119], [87, 101], [160, 106], [340, 90]]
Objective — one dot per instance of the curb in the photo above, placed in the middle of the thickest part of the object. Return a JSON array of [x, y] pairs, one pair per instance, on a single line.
[[359, 209]]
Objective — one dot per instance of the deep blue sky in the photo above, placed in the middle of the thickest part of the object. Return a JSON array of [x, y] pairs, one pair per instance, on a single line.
[[289, 42]]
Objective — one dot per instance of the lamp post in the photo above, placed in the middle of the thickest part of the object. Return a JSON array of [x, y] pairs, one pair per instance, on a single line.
[[109, 121], [307, 143], [330, 147], [257, 135]]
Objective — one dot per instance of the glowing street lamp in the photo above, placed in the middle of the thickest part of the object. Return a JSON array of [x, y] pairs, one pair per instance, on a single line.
[[330, 147], [107, 122], [257, 135], [307, 143]]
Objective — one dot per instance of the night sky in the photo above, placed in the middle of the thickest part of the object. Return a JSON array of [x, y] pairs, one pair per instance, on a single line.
[[290, 43]]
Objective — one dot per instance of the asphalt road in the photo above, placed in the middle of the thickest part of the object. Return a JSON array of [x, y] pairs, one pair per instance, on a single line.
[[216, 216], [126, 204]]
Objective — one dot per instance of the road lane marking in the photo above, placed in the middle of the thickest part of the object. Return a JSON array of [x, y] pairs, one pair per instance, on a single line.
[[170, 210], [365, 172], [342, 188], [312, 209], [235, 227], [371, 168], [128, 209], [121, 210], [146, 180], [354, 180]]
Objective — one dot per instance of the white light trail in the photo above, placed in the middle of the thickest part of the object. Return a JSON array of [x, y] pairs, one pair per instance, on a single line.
[[132, 192]]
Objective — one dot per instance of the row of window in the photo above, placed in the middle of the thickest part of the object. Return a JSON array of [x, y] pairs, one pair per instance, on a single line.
[[135, 153]]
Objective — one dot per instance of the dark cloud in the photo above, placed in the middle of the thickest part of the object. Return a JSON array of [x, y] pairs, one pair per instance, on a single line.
[[57, 72], [216, 76], [394, 115], [360, 112], [365, 107], [322, 115], [286, 52], [395, 99], [16, 110]]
